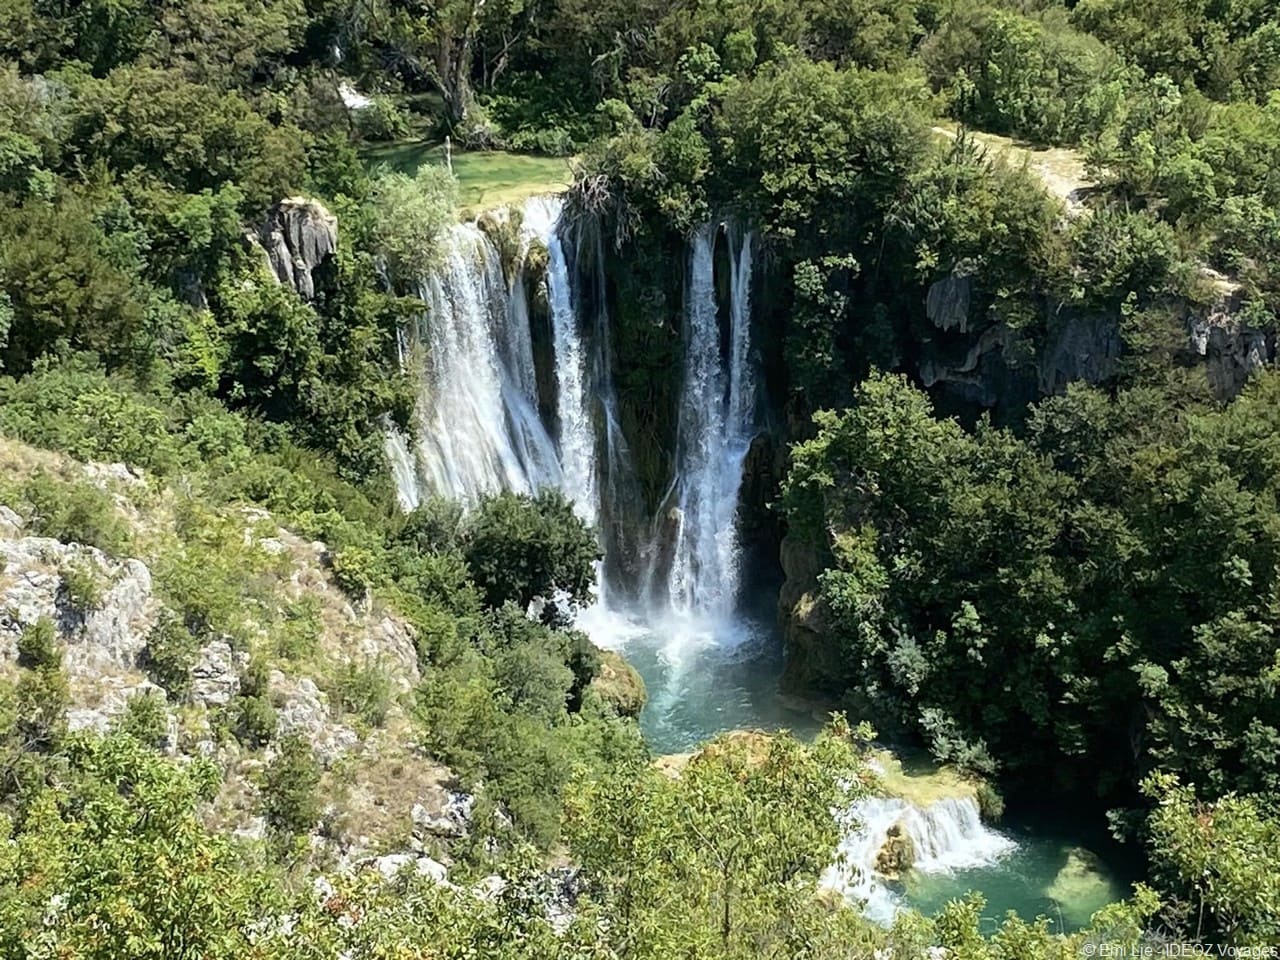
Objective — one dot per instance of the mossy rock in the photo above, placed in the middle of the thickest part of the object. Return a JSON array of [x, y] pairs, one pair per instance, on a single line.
[[752, 746], [502, 226], [897, 854], [536, 258], [619, 684], [920, 785], [1083, 885]]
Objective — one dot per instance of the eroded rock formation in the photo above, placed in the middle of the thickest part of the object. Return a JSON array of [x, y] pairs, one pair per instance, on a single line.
[[300, 238], [1231, 348]]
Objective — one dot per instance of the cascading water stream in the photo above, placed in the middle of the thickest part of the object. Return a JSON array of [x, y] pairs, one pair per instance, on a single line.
[[478, 406], [946, 835], [575, 431], [480, 430], [715, 429], [404, 471]]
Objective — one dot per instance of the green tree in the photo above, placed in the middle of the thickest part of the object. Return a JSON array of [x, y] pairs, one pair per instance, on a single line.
[[521, 548], [1208, 853], [112, 861], [721, 860], [409, 216]]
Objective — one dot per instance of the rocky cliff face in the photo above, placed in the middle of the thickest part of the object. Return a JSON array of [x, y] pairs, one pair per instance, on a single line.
[[803, 615], [381, 788], [990, 366], [1230, 348], [102, 643], [299, 237], [993, 366]]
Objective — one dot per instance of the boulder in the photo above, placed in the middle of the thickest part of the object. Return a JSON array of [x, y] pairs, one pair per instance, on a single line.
[[116, 632], [450, 819], [304, 711], [619, 684], [896, 855], [1082, 886], [394, 865], [215, 677], [10, 523]]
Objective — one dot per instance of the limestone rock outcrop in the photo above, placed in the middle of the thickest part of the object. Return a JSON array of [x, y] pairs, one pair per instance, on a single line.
[[103, 641], [215, 677], [304, 711], [1080, 348], [300, 238], [1231, 349], [803, 615], [947, 302]]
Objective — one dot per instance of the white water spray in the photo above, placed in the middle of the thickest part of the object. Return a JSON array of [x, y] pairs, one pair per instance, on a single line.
[[404, 470], [946, 835], [480, 432]]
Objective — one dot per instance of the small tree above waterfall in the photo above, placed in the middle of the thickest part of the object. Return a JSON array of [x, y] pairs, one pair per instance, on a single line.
[[409, 215]]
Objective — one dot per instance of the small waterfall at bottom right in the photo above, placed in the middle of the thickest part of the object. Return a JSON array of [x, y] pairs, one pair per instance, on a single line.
[[946, 835]]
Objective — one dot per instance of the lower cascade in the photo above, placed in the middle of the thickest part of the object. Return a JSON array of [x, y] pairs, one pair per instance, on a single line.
[[943, 836]]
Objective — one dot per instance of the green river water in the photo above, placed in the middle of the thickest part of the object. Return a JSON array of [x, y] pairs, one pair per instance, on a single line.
[[702, 682]]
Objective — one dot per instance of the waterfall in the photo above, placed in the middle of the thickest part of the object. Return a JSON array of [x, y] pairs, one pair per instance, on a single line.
[[403, 469], [946, 835], [479, 426], [477, 410], [715, 427], [575, 425]]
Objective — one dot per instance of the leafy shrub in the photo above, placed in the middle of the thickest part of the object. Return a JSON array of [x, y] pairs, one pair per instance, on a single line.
[[434, 525], [520, 548], [169, 655], [78, 409], [299, 634], [409, 216], [37, 646], [381, 120], [41, 694], [355, 569], [254, 714], [82, 586], [365, 690], [290, 802], [75, 512], [145, 719]]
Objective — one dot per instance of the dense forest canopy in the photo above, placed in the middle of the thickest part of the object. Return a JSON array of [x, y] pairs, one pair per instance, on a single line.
[[1029, 523]]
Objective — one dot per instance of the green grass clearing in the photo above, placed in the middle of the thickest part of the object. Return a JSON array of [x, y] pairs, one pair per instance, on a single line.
[[486, 178], [1061, 169]]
